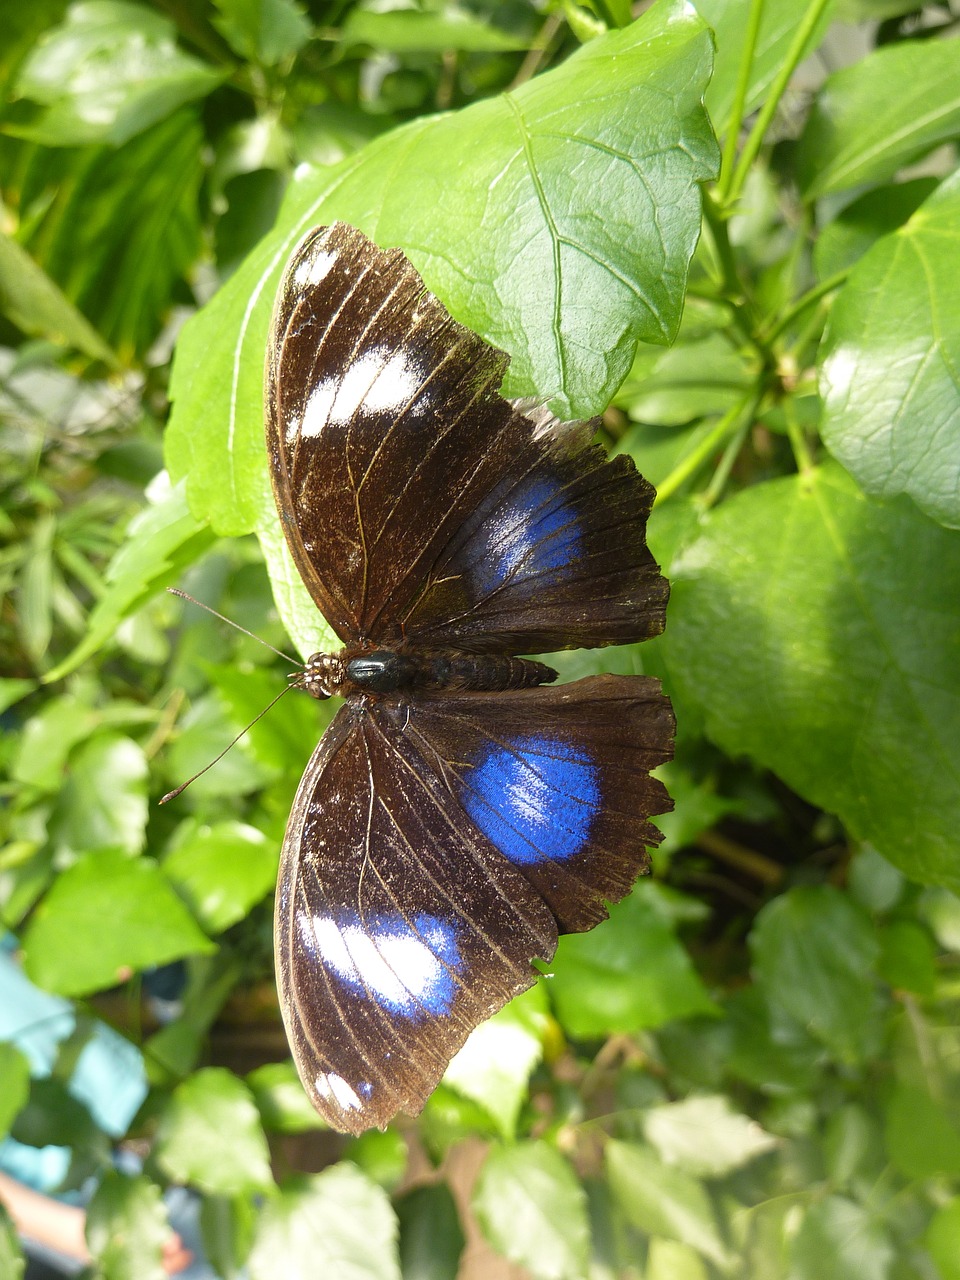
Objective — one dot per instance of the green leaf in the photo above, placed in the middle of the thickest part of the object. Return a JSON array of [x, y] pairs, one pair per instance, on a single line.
[[103, 801], [690, 380], [13, 691], [210, 1135], [47, 740], [127, 1228], [816, 630], [813, 953], [943, 1239], [562, 234], [14, 1084], [923, 1139], [663, 1201], [12, 1261], [123, 229], [109, 72], [668, 1260], [704, 1135], [770, 1050], [889, 369], [532, 1209], [431, 1238], [885, 111], [495, 1065], [844, 241], [227, 1224], [628, 974], [221, 871], [283, 1105], [264, 31], [160, 542], [908, 959], [778, 24], [305, 624], [105, 915], [839, 1240], [337, 1223], [34, 303], [414, 31]]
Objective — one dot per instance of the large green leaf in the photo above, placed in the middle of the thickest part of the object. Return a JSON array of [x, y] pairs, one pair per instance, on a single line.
[[103, 800], [107, 73], [210, 1135], [561, 232], [891, 358], [221, 871], [876, 116], [338, 1223], [102, 917], [532, 1208], [817, 628]]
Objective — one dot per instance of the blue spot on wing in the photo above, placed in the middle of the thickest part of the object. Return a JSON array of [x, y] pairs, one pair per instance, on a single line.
[[534, 534], [407, 967], [535, 799]]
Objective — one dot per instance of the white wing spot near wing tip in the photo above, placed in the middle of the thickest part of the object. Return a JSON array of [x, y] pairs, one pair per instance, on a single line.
[[333, 1088], [315, 268]]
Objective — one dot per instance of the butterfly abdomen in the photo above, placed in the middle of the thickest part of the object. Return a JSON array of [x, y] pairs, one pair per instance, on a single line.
[[389, 671]]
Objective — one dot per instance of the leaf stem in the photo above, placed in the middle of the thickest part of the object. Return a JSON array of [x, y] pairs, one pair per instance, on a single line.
[[727, 426], [807, 300], [739, 100], [798, 443], [751, 148]]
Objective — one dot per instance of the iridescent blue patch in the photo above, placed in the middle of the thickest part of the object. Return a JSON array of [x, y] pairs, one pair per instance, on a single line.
[[536, 534], [406, 966], [535, 800]]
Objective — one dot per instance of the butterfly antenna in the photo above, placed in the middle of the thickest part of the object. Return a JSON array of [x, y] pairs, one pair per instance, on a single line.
[[172, 795], [175, 591]]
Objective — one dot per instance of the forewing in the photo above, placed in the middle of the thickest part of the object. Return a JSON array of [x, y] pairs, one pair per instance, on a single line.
[[399, 926], [555, 557], [384, 427]]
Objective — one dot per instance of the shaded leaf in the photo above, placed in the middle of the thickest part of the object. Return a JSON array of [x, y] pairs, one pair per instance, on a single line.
[[813, 953], [14, 1084], [630, 974], [431, 1238], [281, 1100], [816, 630], [922, 1139], [264, 31], [943, 1239], [34, 303], [103, 801], [105, 915], [412, 30]]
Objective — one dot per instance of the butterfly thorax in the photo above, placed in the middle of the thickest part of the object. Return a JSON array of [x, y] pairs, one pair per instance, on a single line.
[[364, 670]]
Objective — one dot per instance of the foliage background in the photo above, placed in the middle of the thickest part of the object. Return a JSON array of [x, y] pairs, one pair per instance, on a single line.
[[752, 1068]]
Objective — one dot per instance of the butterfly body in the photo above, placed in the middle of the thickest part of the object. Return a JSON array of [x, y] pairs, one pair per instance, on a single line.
[[461, 811]]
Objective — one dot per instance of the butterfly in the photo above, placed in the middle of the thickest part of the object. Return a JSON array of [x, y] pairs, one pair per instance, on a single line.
[[460, 812]]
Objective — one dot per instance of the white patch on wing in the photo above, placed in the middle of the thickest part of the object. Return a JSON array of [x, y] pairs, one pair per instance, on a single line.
[[397, 967], [316, 415], [333, 1088], [315, 268], [368, 385]]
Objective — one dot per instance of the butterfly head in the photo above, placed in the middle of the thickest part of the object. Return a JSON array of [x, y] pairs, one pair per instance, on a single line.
[[323, 675]]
